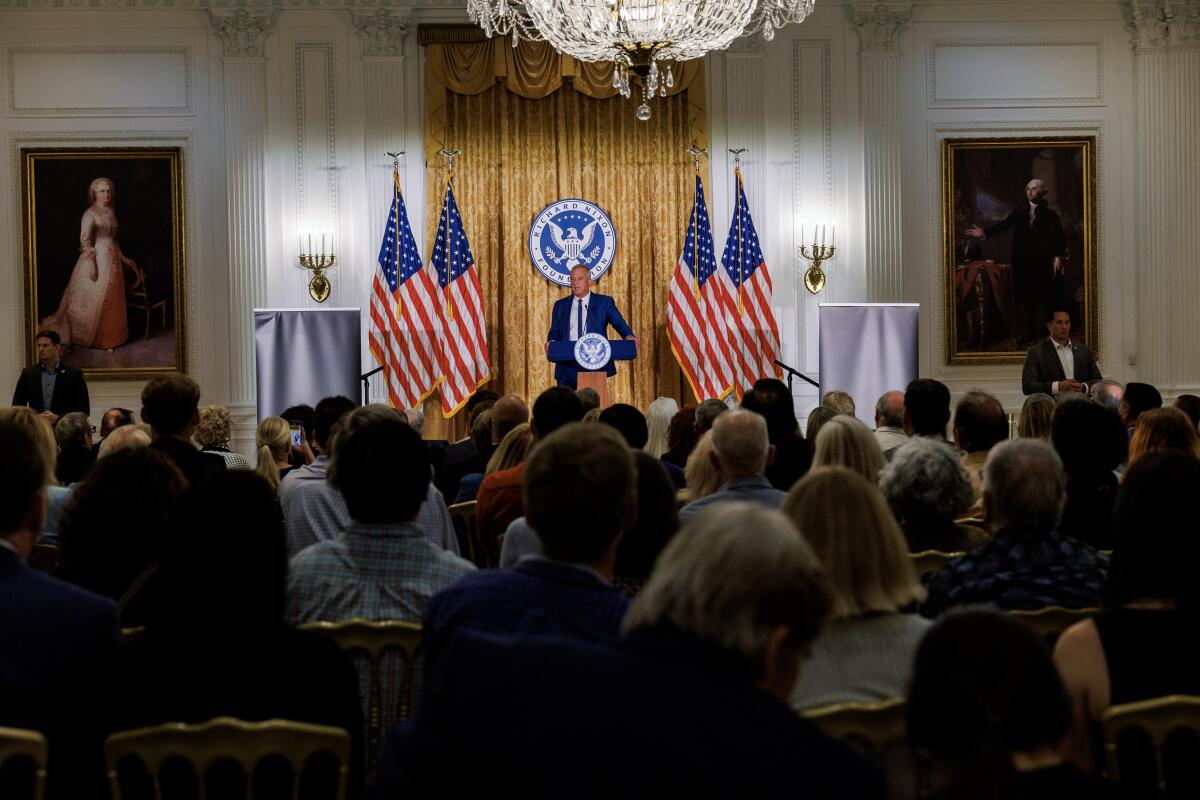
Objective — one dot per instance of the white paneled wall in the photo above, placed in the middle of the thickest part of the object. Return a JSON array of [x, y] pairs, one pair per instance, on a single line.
[[285, 114]]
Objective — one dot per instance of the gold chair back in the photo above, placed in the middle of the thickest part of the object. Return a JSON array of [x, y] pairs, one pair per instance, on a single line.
[[928, 562], [464, 514], [1050, 622], [226, 738], [1159, 718], [45, 558], [17, 742], [373, 638], [877, 730]]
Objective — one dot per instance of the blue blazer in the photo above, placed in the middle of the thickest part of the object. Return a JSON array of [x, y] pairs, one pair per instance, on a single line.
[[601, 312]]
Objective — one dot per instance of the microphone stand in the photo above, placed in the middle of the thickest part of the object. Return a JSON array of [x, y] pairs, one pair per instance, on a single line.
[[792, 372], [366, 379]]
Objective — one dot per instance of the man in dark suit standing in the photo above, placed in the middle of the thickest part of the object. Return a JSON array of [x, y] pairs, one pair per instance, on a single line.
[[1038, 248], [50, 386], [583, 312], [1058, 364]]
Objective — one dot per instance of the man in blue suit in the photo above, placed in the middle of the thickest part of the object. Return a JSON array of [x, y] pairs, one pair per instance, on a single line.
[[583, 312], [52, 634]]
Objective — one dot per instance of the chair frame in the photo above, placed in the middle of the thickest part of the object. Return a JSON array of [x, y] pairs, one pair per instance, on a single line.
[[1052, 620], [1159, 718], [246, 743], [476, 552], [375, 637], [877, 724], [16, 742], [928, 562]]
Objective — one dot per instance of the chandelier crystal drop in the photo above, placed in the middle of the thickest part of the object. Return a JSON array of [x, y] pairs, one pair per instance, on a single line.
[[643, 38]]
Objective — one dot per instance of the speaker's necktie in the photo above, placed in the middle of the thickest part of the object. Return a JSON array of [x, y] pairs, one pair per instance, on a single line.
[[580, 316]]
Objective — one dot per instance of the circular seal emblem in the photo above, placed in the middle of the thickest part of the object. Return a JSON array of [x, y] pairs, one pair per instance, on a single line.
[[592, 351], [571, 233]]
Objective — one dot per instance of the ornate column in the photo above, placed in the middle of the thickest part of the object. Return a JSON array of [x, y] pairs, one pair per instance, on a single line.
[[1166, 41], [243, 34], [878, 24], [384, 31]]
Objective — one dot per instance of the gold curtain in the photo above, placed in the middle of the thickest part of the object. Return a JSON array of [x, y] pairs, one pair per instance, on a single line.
[[533, 127]]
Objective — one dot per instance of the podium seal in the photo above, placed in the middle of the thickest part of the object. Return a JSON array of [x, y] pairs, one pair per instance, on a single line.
[[592, 351]]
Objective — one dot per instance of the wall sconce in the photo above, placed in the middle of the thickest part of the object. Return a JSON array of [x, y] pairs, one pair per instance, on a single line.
[[821, 249], [317, 261]]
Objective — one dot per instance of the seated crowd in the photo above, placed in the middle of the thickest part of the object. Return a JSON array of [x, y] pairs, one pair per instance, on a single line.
[[611, 603]]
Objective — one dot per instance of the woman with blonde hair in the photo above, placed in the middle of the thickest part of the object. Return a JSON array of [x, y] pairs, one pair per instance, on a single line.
[[212, 434], [512, 450], [865, 652], [273, 438], [704, 475], [846, 442], [43, 434], [1163, 429], [1036, 415], [658, 421]]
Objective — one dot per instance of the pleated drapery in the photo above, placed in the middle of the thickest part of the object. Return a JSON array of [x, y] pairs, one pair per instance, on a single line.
[[534, 127]]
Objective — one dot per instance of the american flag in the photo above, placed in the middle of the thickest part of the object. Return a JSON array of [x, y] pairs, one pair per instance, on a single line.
[[697, 307], [406, 312], [463, 355], [752, 323]]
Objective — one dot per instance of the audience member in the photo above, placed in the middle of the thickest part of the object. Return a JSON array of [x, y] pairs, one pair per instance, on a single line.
[[216, 643], [1108, 393], [629, 422], [927, 488], [742, 451], [127, 437], [273, 440], [567, 591], [889, 421], [464, 449], [115, 525], [772, 400], [681, 437], [926, 408], [1091, 442], [817, 418], [1028, 563], [170, 406], [1143, 643], [505, 414], [707, 413], [839, 402], [481, 437], [656, 522], [1138, 398], [589, 397], [979, 424], [592, 415], [213, 432], [39, 429], [306, 417], [845, 442], [987, 704], [658, 420], [1189, 404], [73, 433], [1161, 429], [513, 450], [1036, 414], [692, 702], [312, 507], [52, 634], [115, 418], [865, 652], [704, 475], [500, 499]]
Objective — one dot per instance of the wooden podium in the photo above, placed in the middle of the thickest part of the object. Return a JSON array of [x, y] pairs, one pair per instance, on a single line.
[[564, 352]]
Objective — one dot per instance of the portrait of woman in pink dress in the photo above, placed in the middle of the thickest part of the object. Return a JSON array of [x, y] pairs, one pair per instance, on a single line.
[[92, 310]]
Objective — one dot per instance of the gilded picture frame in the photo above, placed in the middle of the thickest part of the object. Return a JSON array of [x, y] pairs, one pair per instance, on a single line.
[[1018, 239], [105, 259]]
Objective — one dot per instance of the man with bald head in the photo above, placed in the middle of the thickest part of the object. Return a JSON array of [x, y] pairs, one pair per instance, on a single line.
[[1038, 248], [889, 421], [742, 452]]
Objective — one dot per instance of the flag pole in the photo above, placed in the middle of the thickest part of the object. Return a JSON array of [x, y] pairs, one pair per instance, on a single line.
[[395, 197], [696, 152], [449, 155], [737, 209]]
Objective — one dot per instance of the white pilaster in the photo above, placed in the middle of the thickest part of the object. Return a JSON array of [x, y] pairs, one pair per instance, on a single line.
[[243, 34], [1166, 40], [878, 25]]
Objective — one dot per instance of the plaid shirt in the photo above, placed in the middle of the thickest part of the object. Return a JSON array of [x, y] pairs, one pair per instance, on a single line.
[[315, 511], [379, 572], [1020, 568]]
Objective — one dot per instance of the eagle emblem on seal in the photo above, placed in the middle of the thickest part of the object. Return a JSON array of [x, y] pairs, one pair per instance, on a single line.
[[571, 233], [592, 351]]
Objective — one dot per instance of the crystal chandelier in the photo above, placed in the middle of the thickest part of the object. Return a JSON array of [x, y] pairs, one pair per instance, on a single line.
[[643, 38]]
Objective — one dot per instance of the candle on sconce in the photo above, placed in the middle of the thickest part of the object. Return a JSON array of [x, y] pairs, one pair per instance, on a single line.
[[310, 244], [322, 244], [833, 237]]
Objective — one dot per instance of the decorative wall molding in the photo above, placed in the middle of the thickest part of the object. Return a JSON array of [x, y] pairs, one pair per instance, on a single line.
[[321, 156], [938, 367], [243, 33], [1094, 95], [187, 78], [747, 45], [878, 23], [1158, 24], [383, 31], [826, 111]]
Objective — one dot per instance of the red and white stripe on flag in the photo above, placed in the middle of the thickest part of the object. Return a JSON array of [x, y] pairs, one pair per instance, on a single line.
[[464, 353], [755, 331]]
